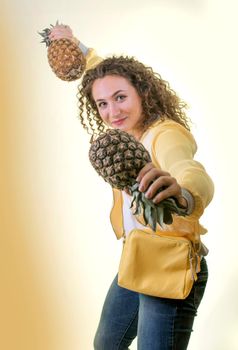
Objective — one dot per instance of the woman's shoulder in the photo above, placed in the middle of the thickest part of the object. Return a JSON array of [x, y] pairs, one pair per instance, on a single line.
[[166, 132], [167, 125]]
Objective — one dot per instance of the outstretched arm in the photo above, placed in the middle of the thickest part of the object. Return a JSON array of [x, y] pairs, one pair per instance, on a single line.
[[174, 148]]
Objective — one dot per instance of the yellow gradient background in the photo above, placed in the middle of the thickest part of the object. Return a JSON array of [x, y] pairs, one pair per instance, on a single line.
[[58, 253]]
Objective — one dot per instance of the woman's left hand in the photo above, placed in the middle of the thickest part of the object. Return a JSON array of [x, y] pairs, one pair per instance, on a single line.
[[152, 179]]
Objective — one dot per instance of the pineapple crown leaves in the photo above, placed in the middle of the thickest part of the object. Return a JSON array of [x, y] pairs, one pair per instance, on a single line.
[[46, 32], [160, 213]]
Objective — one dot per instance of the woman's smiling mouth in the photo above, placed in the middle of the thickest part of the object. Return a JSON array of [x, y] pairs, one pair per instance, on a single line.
[[118, 122]]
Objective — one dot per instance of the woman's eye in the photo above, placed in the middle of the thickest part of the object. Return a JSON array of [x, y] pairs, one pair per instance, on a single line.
[[120, 97], [101, 104]]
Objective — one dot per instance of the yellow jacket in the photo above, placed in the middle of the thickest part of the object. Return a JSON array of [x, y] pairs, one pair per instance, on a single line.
[[172, 148]]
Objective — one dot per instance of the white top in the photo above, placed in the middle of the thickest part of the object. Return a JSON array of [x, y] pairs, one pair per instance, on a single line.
[[129, 219]]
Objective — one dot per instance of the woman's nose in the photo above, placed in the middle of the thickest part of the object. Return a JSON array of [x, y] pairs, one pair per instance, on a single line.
[[114, 111]]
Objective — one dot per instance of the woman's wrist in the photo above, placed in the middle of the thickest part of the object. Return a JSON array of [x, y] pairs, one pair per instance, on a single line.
[[83, 48], [187, 196]]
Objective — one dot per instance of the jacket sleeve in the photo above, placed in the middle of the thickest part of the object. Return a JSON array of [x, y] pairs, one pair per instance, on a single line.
[[92, 59], [174, 148]]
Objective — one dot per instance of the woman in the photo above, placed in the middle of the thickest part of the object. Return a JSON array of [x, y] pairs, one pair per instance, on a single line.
[[120, 92]]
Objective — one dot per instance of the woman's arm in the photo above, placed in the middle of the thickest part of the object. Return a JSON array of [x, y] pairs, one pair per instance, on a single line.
[[174, 148]]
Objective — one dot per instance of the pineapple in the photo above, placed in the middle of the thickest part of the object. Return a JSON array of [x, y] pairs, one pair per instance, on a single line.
[[64, 56], [118, 157]]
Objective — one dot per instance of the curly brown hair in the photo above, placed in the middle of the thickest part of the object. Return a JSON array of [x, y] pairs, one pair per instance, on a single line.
[[159, 101]]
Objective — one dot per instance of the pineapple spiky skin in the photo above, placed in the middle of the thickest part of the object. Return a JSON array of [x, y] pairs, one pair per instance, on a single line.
[[66, 59], [64, 56], [118, 157]]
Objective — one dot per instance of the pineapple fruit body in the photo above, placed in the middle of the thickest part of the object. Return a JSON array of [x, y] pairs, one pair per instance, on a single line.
[[118, 157], [64, 56], [66, 59]]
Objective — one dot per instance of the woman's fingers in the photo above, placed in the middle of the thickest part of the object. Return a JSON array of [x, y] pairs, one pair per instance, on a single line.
[[144, 170], [173, 190], [147, 179], [61, 31], [152, 180], [160, 183], [148, 174]]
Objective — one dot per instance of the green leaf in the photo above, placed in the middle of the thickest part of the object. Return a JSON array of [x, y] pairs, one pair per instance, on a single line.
[[168, 219], [148, 201], [135, 187], [147, 213], [160, 216], [153, 219], [133, 199], [138, 204], [143, 211]]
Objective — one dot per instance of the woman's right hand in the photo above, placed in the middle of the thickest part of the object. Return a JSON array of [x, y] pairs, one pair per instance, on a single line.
[[61, 31]]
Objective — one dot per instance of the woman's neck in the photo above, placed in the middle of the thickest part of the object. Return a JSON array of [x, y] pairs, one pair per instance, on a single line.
[[137, 133]]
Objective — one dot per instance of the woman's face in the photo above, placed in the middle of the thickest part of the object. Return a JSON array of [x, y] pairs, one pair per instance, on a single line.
[[118, 104]]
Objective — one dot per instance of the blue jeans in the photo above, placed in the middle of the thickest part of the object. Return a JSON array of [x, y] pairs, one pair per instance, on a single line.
[[158, 323]]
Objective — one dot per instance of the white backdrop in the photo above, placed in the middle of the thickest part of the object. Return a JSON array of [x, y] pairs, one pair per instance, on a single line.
[[58, 251]]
